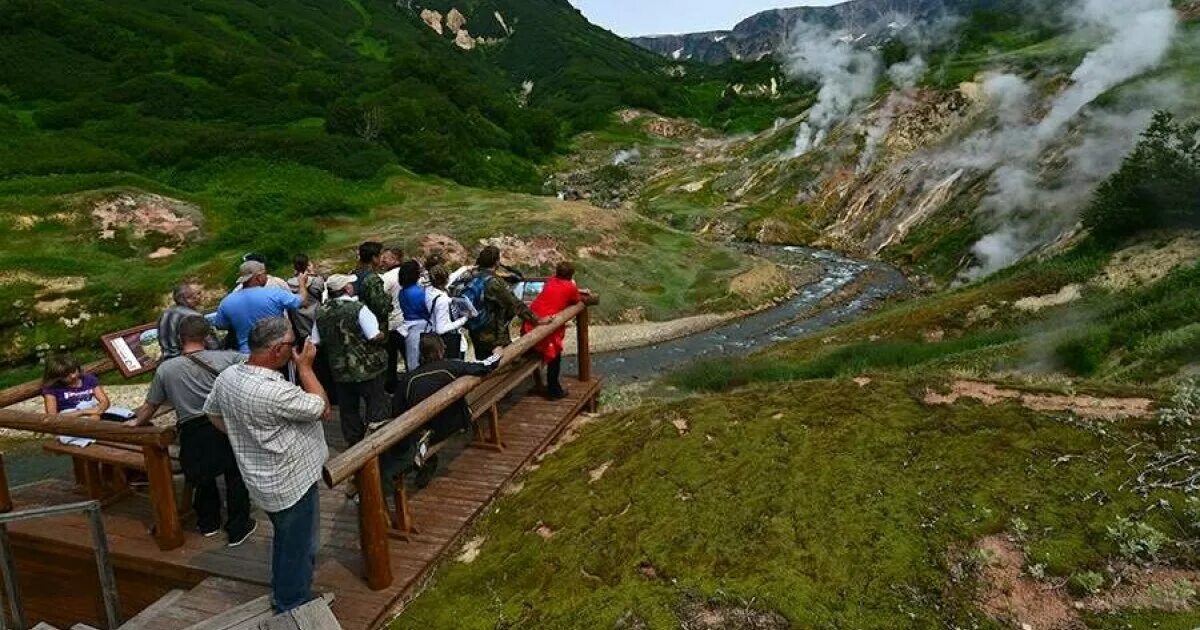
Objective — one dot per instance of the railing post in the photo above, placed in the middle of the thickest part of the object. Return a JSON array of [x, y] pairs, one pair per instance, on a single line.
[[12, 587], [168, 533], [585, 351], [108, 580], [6, 504], [373, 526]]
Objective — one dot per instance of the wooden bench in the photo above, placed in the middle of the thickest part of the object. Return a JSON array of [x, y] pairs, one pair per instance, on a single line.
[[101, 468], [482, 401]]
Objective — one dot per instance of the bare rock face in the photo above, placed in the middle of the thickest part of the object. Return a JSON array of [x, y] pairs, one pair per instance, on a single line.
[[451, 250], [464, 40], [455, 21], [672, 128], [930, 118], [143, 214], [433, 19], [537, 252]]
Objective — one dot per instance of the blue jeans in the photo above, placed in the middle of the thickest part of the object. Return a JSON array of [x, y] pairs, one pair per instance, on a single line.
[[294, 552]]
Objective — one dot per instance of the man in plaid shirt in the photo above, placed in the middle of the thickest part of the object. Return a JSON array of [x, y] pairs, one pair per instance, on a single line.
[[279, 443]]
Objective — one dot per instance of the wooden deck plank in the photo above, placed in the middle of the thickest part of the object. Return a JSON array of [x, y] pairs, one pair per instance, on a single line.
[[224, 578]]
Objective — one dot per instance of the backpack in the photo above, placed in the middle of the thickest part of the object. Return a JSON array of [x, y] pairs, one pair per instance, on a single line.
[[473, 290]]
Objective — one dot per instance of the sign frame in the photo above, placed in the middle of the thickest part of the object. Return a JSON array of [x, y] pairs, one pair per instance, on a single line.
[[126, 351]]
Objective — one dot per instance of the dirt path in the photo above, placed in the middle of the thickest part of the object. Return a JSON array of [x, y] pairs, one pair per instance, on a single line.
[[1082, 405]]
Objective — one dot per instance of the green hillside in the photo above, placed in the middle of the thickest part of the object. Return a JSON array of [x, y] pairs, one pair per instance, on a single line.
[[283, 128]]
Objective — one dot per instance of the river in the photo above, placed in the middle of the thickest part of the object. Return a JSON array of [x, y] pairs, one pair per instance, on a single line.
[[794, 318]]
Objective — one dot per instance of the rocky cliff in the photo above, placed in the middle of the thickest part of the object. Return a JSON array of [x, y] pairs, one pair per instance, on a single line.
[[766, 33]]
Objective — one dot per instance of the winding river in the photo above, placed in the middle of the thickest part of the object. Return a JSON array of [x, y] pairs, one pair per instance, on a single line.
[[796, 317]]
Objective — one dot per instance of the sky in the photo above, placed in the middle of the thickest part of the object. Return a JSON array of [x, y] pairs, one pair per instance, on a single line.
[[657, 17]]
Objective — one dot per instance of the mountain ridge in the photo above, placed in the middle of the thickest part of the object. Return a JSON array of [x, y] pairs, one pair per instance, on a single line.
[[767, 32]]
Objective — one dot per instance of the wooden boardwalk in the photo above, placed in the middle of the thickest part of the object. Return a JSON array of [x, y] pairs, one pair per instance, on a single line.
[[57, 573]]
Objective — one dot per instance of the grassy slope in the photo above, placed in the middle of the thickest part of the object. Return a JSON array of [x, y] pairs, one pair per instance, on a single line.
[[834, 505]]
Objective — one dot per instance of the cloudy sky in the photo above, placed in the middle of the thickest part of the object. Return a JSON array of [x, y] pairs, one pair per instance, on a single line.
[[652, 17]]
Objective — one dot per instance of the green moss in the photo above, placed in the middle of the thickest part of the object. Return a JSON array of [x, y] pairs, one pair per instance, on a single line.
[[834, 505]]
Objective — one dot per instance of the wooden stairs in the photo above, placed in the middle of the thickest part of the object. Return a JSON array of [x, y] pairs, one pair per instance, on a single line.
[[223, 604]]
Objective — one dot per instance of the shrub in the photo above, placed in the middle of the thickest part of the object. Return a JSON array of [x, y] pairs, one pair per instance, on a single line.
[[1083, 354], [1158, 186], [1184, 408], [271, 225], [74, 113], [1136, 540], [1085, 583]]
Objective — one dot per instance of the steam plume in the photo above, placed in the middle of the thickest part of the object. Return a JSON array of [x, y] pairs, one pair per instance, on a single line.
[[847, 75], [1137, 35]]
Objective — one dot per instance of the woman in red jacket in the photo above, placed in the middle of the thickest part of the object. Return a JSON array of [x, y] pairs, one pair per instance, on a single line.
[[560, 292]]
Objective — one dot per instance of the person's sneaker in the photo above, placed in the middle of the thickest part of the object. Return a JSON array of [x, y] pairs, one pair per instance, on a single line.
[[209, 533], [234, 541], [422, 450], [426, 472], [558, 395]]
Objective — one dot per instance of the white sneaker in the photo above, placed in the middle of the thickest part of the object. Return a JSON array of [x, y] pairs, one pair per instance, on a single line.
[[422, 449]]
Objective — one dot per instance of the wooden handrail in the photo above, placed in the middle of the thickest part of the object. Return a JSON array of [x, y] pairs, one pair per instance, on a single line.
[[342, 467], [19, 393], [79, 427]]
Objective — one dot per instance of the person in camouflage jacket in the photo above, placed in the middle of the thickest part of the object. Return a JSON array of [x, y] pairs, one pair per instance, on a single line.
[[354, 342], [368, 284], [501, 304]]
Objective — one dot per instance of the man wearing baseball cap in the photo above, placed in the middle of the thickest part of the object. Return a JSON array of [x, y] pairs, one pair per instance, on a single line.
[[351, 337], [241, 310]]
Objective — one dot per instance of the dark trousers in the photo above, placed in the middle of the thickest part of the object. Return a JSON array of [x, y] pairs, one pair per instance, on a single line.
[[483, 349], [294, 552], [453, 342], [204, 455], [352, 397], [395, 347], [553, 372], [325, 375]]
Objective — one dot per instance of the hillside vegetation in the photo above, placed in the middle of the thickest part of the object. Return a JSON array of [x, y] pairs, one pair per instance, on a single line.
[[144, 142]]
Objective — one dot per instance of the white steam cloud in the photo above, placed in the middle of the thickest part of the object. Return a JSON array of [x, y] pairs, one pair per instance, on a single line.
[[1023, 209], [847, 75], [626, 155]]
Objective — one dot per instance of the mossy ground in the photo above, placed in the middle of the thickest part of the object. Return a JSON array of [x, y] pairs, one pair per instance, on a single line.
[[833, 504]]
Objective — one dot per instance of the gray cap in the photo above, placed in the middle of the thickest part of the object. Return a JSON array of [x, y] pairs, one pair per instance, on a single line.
[[337, 282], [249, 269]]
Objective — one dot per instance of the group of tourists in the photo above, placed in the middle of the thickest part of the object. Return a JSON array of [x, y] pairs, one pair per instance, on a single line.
[[249, 409]]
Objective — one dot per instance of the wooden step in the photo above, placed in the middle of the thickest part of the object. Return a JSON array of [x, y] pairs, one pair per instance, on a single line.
[[255, 610], [149, 619], [257, 615], [314, 615]]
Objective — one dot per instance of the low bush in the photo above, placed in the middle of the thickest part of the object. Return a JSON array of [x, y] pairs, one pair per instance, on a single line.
[[1158, 185], [1083, 353]]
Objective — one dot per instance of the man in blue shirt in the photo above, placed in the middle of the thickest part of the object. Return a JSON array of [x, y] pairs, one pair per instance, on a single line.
[[241, 310]]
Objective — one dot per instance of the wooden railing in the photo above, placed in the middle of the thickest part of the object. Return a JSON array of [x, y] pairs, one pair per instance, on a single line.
[[362, 460], [153, 442]]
